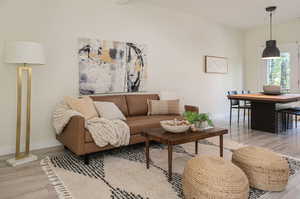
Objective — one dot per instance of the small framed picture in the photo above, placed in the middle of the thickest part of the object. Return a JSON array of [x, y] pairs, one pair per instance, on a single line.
[[215, 64]]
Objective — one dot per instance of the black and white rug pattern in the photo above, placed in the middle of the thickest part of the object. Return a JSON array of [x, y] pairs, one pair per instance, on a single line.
[[96, 169]]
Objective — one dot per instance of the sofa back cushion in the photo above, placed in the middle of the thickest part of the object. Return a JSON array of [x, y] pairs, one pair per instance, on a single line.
[[118, 100], [163, 107], [85, 106], [137, 104], [109, 110]]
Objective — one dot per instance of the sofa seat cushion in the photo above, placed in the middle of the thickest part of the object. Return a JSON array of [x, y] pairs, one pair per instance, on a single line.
[[138, 123]]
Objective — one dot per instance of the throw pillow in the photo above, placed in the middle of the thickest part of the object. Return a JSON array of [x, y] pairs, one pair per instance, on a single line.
[[85, 106], [163, 107], [109, 110]]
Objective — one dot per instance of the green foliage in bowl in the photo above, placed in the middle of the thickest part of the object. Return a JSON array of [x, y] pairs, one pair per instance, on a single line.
[[193, 117]]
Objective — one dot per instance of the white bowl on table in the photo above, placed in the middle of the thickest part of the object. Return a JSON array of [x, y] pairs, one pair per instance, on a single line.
[[175, 126]]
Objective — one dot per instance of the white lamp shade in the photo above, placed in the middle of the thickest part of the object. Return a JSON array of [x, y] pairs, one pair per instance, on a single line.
[[24, 52]]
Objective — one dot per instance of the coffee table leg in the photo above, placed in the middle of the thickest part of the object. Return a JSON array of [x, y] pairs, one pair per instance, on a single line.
[[221, 145], [196, 147], [170, 148], [147, 152]]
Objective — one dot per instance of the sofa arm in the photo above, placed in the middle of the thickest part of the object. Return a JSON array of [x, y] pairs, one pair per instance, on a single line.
[[73, 135], [191, 108]]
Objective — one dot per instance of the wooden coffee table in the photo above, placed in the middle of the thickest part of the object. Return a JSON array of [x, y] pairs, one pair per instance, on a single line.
[[171, 139]]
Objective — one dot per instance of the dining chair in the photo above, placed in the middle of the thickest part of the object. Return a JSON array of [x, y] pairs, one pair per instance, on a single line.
[[233, 105], [247, 107], [236, 104], [287, 116]]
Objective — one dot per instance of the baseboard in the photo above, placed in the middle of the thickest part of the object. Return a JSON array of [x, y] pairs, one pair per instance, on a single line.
[[7, 150]]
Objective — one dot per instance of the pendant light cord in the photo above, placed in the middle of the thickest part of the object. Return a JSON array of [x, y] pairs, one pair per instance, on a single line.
[[271, 15]]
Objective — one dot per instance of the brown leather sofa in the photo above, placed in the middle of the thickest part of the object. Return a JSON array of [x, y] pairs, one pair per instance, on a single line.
[[78, 139]]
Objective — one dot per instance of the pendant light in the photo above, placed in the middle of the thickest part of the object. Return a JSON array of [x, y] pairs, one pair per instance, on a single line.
[[271, 51]]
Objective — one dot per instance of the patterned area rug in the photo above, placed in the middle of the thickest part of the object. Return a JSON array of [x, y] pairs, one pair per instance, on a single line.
[[122, 174]]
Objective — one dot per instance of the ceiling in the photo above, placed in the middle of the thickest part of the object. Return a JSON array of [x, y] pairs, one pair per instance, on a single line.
[[242, 14]]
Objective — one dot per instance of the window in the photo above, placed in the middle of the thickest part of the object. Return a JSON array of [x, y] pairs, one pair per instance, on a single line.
[[278, 71]]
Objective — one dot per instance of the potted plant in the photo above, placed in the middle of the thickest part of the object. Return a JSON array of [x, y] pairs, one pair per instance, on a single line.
[[199, 120], [204, 121]]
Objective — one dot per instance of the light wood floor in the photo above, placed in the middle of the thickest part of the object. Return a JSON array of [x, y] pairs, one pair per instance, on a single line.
[[287, 143], [29, 181]]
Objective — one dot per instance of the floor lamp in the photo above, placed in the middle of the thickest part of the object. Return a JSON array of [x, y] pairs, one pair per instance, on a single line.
[[24, 54]]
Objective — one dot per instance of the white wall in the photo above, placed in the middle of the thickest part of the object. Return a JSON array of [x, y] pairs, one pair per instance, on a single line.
[[286, 33], [177, 44]]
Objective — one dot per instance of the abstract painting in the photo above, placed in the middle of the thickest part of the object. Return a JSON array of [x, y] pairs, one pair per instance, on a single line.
[[216, 64], [111, 66]]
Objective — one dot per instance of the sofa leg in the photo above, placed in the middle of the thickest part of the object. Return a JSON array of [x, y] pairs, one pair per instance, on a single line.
[[86, 159]]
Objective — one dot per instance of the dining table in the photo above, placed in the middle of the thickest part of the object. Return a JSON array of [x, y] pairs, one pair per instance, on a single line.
[[264, 111]]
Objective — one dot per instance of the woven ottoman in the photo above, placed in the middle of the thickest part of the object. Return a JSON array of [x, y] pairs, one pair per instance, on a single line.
[[207, 177], [265, 169]]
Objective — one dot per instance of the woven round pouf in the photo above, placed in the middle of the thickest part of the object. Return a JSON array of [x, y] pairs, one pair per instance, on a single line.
[[265, 169], [207, 177]]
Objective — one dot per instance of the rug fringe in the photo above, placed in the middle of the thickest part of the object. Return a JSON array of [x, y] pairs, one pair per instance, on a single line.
[[59, 186], [288, 156]]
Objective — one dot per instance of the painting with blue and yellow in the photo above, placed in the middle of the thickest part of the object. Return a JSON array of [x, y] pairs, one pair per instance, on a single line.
[[111, 66]]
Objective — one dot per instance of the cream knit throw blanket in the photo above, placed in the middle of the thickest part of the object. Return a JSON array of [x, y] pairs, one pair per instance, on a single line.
[[103, 131]]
